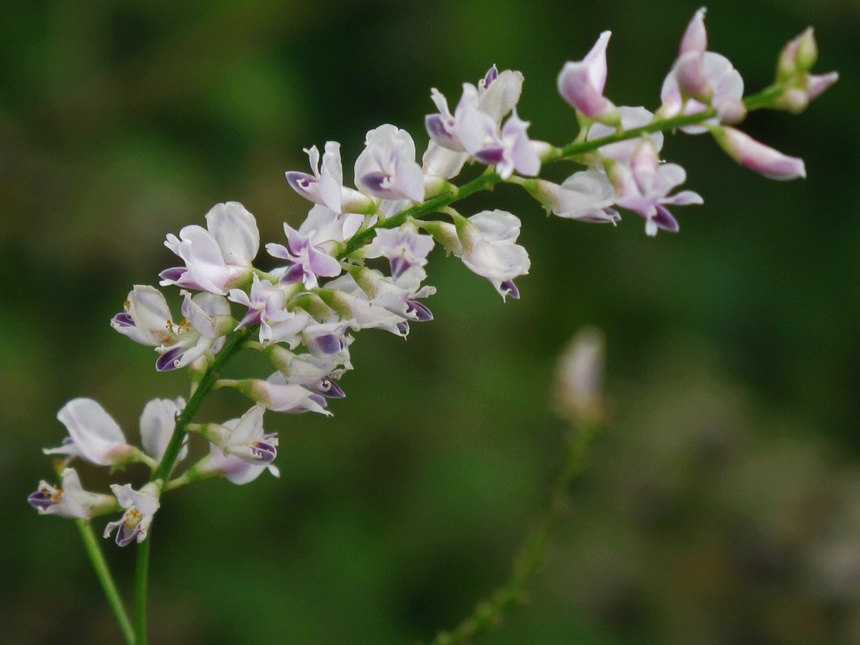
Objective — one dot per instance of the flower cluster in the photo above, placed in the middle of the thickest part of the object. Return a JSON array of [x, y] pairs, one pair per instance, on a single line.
[[358, 260]]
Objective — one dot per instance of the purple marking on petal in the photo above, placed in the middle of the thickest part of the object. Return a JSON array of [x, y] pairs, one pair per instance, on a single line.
[[296, 273], [491, 75], [301, 182], [168, 360], [399, 265], [264, 452], [438, 130], [330, 389], [252, 317], [319, 400], [436, 126], [509, 288], [422, 313], [403, 327], [378, 182], [490, 156], [665, 220], [125, 535], [173, 274], [41, 499], [123, 320], [329, 344]]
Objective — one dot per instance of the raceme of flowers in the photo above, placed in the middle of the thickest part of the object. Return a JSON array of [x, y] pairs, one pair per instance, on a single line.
[[358, 261]]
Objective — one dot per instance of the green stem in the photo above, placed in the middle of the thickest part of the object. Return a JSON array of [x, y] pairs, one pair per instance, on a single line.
[[433, 205], [764, 98], [140, 580], [103, 573], [489, 612], [232, 346]]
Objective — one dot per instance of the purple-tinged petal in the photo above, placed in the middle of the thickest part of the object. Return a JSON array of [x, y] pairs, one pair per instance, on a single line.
[[42, 499], [422, 313], [171, 359], [264, 452], [508, 288], [816, 84], [758, 157], [490, 156], [665, 220], [302, 183], [695, 37], [581, 83], [330, 389]]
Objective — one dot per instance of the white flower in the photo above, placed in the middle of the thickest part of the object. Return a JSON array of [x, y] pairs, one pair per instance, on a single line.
[[148, 321], [644, 188], [486, 243], [70, 500], [218, 258], [581, 84], [386, 168], [314, 244], [267, 306], [245, 437], [325, 185], [231, 467], [140, 508], [157, 422], [93, 435], [701, 79]]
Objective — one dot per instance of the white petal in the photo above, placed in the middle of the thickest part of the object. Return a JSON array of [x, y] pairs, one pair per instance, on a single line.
[[235, 230]]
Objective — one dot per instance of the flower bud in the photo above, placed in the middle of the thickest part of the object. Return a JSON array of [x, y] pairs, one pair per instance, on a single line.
[[579, 378], [758, 157], [816, 84], [695, 37], [798, 56], [581, 84]]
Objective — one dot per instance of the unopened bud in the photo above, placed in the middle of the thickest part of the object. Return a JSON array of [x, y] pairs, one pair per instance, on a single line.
[[579, 378], [758, 157], [798, 56]]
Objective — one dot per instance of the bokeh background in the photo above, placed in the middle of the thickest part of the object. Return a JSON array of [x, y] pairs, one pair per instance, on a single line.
[[721, 506]]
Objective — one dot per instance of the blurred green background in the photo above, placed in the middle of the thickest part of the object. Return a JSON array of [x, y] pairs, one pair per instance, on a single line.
[[723, 503]]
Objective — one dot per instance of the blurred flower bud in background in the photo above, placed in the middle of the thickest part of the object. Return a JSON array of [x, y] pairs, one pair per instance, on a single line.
[[578, 395]]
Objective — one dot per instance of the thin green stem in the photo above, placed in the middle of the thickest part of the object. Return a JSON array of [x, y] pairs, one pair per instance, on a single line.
[[572, 150], [764, 98], [530, 557], [433, 205], [103, 573], [231, 347], [140, 587]]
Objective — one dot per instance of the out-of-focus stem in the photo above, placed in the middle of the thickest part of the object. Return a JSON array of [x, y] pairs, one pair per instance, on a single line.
[[489, 612], [103, 573]]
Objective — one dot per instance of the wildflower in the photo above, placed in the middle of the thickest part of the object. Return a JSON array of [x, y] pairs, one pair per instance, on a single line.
[[93, 435], [217, 257], [244, 437], [325, 185], [140, 509], [314, 244], [581, 84], [267, 306], [700, 80], [644, 188], [148, 321], [70, 500], [758, 157], [386, 168]]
